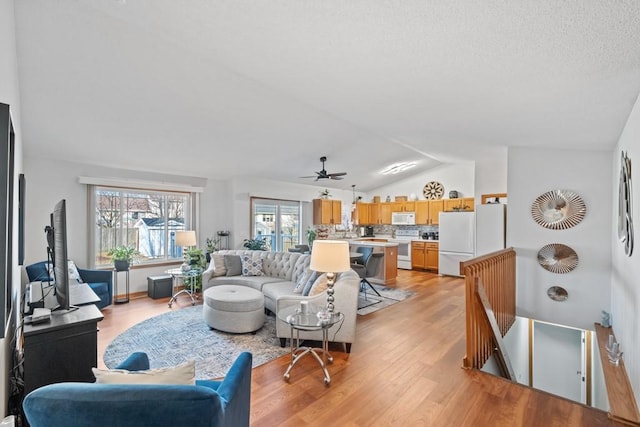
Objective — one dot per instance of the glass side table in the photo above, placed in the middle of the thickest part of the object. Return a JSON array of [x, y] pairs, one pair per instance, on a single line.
[[189, 279], [310, 321]]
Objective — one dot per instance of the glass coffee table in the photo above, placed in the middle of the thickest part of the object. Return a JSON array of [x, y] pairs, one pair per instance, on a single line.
[[189, 280], [315, 319]]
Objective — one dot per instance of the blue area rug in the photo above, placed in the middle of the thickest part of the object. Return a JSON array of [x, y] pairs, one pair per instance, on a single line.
[[182, 335]]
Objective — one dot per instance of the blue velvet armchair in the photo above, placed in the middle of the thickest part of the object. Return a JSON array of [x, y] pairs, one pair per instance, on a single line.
[[101, 281], [208, 403]]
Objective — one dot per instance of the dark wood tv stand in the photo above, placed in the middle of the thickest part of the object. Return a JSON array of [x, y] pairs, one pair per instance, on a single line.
[[63, 349]]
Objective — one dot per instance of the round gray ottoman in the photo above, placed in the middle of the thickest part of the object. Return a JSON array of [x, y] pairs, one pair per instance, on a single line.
[[231, 308]]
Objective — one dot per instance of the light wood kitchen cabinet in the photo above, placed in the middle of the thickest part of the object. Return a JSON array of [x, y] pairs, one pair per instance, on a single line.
[[424, 255], [406, 206], [327, 211], [417, 255], [390, 263], [362, 213], [428, 211], [431, 256], [374, 213], [385, 213], [466, 204]]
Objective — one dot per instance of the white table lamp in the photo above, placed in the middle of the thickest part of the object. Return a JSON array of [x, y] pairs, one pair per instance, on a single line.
[[185, 239], [331, 257]]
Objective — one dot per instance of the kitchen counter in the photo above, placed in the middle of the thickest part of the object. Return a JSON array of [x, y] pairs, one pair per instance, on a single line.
[[368, 242], [388, 270], [426, 240]]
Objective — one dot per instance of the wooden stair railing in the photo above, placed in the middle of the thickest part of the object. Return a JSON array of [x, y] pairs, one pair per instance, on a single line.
[[497, 274]]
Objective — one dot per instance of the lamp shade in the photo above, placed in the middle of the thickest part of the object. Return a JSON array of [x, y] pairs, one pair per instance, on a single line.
[[330, 256], [186, 238]]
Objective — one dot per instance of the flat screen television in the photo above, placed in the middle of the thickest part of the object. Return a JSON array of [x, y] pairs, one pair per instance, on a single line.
[[57, 241]]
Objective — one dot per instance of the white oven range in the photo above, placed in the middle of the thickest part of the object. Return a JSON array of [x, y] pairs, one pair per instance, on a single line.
[[403, 239]]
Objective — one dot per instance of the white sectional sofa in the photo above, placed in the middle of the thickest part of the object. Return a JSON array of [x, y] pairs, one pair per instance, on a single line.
[[281, 271]]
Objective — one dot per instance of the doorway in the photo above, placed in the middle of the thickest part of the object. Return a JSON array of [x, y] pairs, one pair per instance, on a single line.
[[277, 222]]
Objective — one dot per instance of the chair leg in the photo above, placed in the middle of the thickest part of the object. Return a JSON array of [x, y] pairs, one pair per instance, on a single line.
[[371, 286]]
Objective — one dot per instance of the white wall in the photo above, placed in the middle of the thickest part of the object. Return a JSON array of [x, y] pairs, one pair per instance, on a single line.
[[243, 189], [48, 181], [491, 174], [625, 277], [459, 177], [533, 172], [10, 94]]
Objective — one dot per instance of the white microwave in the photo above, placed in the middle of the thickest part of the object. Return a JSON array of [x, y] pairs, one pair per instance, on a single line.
[[403, 218]]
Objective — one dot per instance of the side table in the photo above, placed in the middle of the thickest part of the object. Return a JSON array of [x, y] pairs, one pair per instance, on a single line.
[[310, 321], [125, 299], [188, 279]]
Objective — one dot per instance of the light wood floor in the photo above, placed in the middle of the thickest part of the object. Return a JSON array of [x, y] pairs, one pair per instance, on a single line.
[[403, 370]]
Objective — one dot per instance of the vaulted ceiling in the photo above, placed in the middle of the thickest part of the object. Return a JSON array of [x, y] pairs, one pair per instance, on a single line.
[[221, 89]]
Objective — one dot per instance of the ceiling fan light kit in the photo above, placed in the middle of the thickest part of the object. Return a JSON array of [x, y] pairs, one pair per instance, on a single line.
[[323, 174]]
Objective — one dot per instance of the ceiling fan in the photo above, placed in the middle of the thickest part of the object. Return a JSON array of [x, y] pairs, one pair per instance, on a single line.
[[323, 173]]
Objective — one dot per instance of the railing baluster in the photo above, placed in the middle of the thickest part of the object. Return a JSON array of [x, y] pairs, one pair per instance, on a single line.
[[497, 272]]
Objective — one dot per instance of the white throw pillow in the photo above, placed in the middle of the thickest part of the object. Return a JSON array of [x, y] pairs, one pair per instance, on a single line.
[[74, 274], [320, 285], [219, 268], [302, 280], [184, 374]]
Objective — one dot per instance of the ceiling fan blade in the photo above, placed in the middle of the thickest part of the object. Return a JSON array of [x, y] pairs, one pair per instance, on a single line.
[[313, 176], [338, 174], [336, 178]]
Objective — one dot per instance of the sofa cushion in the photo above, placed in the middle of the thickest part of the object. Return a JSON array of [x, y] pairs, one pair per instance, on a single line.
[[74, 274], [251, 266], [184, 374], [274, 290], [255, 282], [320, 285], [233, 264], [219, 268], [302, 280], [310, 282]]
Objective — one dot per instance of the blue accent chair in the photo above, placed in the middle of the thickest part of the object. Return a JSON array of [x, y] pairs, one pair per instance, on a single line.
[[101, 281], [208, 403]]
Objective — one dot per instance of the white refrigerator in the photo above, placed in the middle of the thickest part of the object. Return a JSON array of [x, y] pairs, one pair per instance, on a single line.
[[491, 222], [457, 241]]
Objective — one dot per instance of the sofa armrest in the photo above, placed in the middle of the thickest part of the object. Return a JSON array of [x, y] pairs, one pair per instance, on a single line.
[[207, 275], [235, 390], [96, 276]]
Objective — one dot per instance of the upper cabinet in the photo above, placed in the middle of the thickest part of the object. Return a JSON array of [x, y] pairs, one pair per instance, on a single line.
[[466, 204], [363, 215], [327, 211], [427, 211], [385, 212]]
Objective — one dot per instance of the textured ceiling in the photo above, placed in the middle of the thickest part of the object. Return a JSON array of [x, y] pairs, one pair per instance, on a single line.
[[267, 87]]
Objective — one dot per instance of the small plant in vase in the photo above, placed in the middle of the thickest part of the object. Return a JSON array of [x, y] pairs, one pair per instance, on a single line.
[[195, 258], [325, 194], [123, 256], [211, 247]]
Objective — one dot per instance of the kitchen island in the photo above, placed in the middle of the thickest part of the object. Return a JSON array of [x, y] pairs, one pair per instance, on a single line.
[[388, 270]]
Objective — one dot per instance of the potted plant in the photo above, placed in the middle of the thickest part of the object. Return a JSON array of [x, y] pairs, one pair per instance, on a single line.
[[122, 256], [255, 244], [211, 246], [311, 236]]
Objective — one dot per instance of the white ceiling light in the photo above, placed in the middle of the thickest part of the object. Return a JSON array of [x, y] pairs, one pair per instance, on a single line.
[[398, 167]]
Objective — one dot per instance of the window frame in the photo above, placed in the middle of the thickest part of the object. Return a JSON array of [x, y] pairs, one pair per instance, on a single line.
[[190, 221]]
